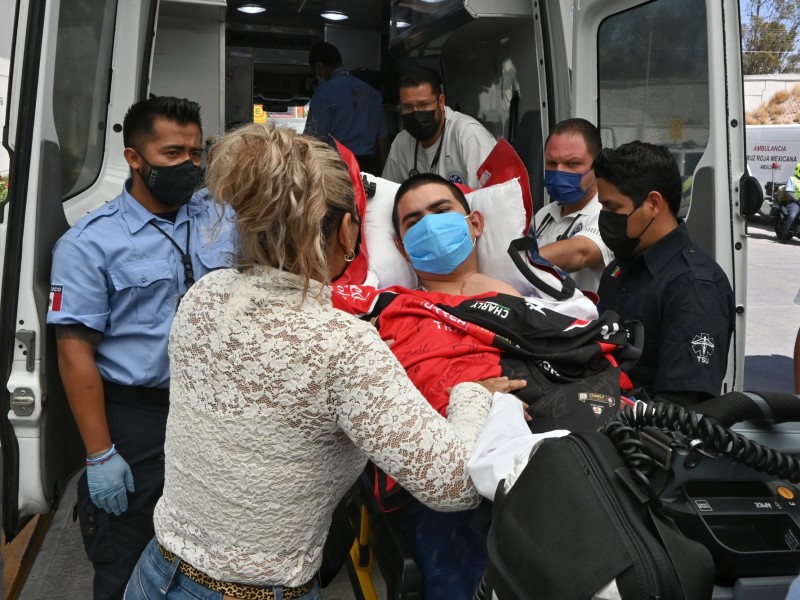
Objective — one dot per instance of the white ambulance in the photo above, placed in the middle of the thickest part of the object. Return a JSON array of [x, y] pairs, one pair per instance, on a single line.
[[773, 152], [663, 71]]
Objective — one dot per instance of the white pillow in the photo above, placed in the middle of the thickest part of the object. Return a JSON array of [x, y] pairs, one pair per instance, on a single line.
[[386, 264]]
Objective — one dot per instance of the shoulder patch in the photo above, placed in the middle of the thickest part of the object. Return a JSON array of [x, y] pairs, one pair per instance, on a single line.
[[455, 177], [703, 347], [56, 291]]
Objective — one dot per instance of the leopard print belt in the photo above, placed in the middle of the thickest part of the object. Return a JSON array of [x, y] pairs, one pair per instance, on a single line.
[[237, 590]]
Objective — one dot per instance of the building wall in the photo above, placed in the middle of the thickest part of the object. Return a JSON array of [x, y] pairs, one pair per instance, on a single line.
[[760, 88]]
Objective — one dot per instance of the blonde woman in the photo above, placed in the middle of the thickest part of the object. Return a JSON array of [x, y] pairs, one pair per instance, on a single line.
[[278, 399]]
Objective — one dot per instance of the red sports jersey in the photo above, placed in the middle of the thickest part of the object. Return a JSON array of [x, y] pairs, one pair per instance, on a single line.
[[442, 340]]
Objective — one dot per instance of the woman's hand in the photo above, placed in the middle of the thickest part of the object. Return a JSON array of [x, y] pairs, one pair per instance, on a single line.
[[504, 385]]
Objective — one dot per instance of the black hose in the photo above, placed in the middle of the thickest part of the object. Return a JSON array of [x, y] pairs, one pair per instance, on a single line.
[[623, 430]]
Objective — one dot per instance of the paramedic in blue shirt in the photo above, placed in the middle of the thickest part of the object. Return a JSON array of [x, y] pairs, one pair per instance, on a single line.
[[117, 278], [347, 109]]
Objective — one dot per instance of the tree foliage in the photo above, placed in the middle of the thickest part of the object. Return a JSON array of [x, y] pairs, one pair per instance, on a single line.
[[769, 36]]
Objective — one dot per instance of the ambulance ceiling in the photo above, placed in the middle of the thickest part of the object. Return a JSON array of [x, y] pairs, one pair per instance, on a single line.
[[372, 14]]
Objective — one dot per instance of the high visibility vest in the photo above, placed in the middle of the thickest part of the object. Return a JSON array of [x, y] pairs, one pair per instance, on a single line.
[[795, 193]]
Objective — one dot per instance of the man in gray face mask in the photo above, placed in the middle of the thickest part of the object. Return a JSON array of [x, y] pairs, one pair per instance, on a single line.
[[117, 277], [435, 139]]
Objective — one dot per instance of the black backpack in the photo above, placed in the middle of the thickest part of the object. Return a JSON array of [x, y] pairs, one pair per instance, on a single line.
[[598, 507]]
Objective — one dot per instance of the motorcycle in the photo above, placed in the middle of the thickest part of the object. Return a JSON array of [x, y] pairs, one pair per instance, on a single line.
[[779, 208]]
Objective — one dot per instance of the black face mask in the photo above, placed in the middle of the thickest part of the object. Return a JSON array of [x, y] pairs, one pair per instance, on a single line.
[[421, 124], [614, 232], [175, 184]]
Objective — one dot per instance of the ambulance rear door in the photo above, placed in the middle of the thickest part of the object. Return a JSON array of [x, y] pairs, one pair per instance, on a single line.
[[669, 72], [76, 67]]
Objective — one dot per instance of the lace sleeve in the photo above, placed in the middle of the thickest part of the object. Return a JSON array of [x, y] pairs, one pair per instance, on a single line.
[[385, 415]]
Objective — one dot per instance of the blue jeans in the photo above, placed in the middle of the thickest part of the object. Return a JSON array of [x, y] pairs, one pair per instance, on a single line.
[[155, 578], [792, 209], [448, 547]]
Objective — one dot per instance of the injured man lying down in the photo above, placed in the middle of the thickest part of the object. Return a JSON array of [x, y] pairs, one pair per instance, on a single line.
[[450, 283], [457, 322]]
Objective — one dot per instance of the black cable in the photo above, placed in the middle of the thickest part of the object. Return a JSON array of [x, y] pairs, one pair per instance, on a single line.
[[623, 430]]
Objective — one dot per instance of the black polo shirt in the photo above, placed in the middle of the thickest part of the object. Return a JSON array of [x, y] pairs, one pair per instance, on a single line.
[[685, 302]]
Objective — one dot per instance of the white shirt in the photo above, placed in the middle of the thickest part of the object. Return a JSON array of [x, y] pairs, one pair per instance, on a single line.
[[465, 145], [549, 224], [275, 406]]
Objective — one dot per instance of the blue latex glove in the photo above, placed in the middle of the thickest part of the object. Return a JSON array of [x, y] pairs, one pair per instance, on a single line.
[[109, 484]]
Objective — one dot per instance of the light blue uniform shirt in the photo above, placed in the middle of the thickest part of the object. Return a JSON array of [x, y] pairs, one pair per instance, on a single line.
[[117, 274], [348, 109]]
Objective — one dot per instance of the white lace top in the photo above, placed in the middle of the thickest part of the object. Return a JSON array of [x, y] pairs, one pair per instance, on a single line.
[[274, 412]]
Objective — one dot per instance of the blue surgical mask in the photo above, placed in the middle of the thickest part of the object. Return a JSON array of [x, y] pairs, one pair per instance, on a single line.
[[564, 187], [439, 243]]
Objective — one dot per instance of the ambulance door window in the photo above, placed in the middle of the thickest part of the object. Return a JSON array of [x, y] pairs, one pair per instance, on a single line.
[[654, 81], [81, 86]]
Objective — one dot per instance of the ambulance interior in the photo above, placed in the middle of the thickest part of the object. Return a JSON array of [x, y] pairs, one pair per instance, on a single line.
[[486, 54], [506, 64]]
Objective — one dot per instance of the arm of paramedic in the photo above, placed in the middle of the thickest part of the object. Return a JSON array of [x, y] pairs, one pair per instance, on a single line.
[[392, 170], [383, 152], [573, 254], [76, 346], [381, 143], [695, 333], [79, 318], [379, 408], [475, 144]]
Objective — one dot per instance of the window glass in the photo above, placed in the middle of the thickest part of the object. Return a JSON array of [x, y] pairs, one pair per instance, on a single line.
[[81, 88], [653, 74]]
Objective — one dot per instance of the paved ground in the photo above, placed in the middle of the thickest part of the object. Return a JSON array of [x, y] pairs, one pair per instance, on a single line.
[[61, 571], [773, 318]]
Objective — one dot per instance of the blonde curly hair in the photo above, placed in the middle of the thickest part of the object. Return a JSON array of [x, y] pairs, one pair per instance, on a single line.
[[289, 192]]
